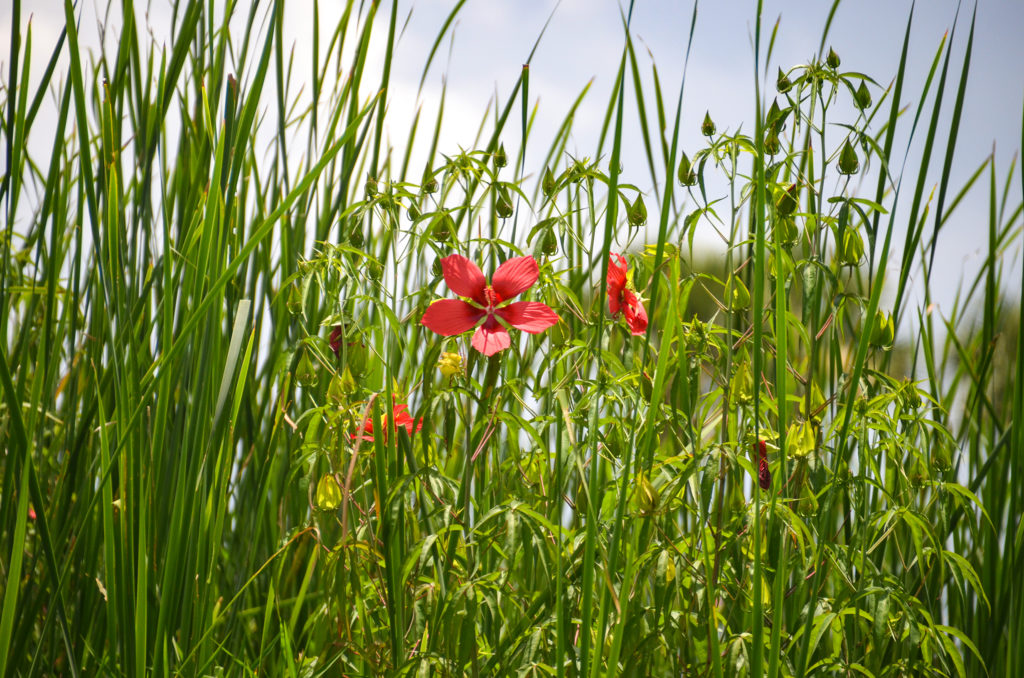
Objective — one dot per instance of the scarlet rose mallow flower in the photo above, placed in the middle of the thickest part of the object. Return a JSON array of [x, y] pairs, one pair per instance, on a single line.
[[449, 317], [621, 298], [399, 418]]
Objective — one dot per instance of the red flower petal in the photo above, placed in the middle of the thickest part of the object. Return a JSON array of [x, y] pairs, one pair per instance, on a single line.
[[616, 281], [449, 317], [491, 337], [528, 316], [636, 314], [515, 276], [335, 340], [464, 277], [401, 416], [764, 476]]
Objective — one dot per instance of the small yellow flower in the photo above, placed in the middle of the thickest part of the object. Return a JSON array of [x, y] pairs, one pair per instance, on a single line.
[[450, 364]]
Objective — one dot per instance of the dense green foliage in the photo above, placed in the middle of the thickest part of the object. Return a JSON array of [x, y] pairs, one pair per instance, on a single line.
[[195, 327]]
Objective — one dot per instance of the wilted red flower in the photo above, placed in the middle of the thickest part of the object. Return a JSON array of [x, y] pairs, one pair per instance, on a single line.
[[449, 317], [764, 476], [620, 297], [399, 418], [335, 340]]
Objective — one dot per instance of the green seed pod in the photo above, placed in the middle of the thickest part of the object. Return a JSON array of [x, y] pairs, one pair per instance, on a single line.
[[787, 202], [548, 182], [771, 144], [686, 174], [637, 212], [356, 356], [442, 226], [707, 128], [413, 212], [832, 59], [503, 203], [782, 83], [429, 182], [371, 187], [550, 244], [883, 332], [940, 458], [862, 97], [500, 159], [852, 249], [355, 235], [848, 162], [305, 373], [374, 269], [294, 300]]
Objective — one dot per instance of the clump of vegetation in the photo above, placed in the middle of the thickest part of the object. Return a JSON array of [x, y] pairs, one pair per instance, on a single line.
[[343, 415]]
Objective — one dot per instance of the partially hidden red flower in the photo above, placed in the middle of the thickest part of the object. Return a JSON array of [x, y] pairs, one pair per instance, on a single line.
[[335, 340], [764, 476], [449, 317], [399, 418], [621, 298]]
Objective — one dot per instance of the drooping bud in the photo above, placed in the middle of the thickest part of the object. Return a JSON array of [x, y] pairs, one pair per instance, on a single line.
[[771, 144], [832, 59], [548, 183], [883, 332], [739, 295], [436, 268], [429, 182], [707, 128], [305, 373], [550, 244], [442, 226], [503, 203], [787, 202], [500, 159], [413, 212], [782, 83], [852, 248], [637, 212], [848, 162], [862, 97], [686, 175]]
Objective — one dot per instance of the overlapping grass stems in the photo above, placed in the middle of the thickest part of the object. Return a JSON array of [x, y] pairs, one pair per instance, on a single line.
[[584, 503]]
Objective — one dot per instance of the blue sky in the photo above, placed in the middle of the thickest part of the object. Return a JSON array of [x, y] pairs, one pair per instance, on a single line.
[[584, 41]]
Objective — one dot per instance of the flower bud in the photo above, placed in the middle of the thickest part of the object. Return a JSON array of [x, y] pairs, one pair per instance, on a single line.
[[647, 497], [785, 232], [686, 174], [294, 300], [808, 503], [739, 295], [782, 83], [787, 202], [436, 268], [548, 183], [848, 162], [429, 182], [450, 365], [771, 144], [374, 269], [305, 373], [707, 128], [852, 248], [371, 187], [500, 158], [503, 204], [832, 59], [442, 226], [549, 246], [862, 97], [413, 212], [883, 332], [328, 494], [355, 235], [356, 356], [637, 212]]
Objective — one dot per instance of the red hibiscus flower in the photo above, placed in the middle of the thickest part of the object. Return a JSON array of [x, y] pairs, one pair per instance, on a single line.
[[399, 419], [621, 298], [764, 476], [449, 317]]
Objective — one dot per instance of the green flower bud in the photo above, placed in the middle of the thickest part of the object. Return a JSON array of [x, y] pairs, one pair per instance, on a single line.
[[637, 212], [429, 182], [848, 162], [550, 244], [442, 226], [356, 356], [785, 232], [436, 268], [707, 128], [741, 386], [862, 97], [852, 249], [771, 144], [503, 203], [882, 332], [413, 212], [355, 235], [686, 174], [832, 59], [294, 300], [783, 83], [548, 182], [305, 373], [787, 202], [374, 269], [500, 159], [800, 440], [371, 187], [738, 294]]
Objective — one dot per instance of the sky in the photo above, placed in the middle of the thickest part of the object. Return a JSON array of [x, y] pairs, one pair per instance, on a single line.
[[583, 43]]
